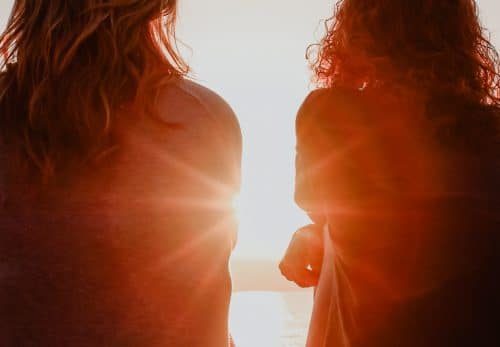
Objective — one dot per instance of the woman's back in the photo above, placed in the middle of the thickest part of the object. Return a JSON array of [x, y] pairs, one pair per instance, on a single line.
[[134, 249], [413, 209]]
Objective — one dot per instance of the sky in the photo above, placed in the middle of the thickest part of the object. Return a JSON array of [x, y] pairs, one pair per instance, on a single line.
[[252, 52]]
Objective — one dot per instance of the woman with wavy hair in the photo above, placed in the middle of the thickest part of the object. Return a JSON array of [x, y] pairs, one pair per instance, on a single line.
[[398, 166], [116, 180]]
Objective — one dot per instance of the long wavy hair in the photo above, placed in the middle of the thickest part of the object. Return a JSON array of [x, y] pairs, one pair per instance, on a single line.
[[436, 47], [68, 67]]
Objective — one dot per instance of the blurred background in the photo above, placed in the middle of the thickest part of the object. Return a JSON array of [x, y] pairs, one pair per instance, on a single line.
[[252, 52]]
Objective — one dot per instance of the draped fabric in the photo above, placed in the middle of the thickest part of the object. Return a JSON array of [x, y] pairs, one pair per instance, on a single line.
[[412, 253]]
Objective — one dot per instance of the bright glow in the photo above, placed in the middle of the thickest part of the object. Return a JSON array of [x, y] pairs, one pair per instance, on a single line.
[[252, 53], [267, 319], [247, 324]]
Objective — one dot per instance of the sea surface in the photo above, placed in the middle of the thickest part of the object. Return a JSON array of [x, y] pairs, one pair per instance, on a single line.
[[270, 319]]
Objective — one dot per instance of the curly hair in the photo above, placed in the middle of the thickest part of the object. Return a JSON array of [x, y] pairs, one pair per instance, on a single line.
[[68, 66], [437, 47]]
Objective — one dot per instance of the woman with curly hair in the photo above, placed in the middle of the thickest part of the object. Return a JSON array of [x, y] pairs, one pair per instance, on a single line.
[[116, 180], [398, 166]]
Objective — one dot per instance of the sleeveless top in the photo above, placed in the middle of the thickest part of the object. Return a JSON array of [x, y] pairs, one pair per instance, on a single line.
[[135, 252]]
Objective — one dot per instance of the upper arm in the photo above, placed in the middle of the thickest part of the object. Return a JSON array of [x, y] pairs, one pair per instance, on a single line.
[[228, 152], [321, 143], [228, 138], [192, 159], [210, 131], [310, 153], [232, 144]]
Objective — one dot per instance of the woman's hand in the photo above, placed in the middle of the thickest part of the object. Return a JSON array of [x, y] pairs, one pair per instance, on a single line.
[[304, 256]]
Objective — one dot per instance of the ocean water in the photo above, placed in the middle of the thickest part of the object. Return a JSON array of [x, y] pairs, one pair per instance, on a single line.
[[270, 319]]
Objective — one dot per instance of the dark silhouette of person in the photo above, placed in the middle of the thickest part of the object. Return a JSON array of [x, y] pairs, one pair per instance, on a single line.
[[117, 180], [398, 165]]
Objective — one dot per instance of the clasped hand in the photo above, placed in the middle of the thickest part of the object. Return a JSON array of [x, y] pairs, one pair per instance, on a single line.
[[304, 257]]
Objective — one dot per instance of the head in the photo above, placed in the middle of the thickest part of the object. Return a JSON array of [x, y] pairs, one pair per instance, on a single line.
[[68, 67], [431, 46]]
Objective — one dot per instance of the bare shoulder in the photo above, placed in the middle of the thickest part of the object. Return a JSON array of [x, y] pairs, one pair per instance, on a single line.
[[328, 105], [206, 96], [185, 101]]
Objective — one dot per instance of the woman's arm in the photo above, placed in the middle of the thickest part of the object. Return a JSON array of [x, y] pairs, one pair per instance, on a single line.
[[314, 156], [302, 261]]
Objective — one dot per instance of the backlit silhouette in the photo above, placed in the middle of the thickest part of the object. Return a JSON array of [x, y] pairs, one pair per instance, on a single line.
[[398, 167], [117, 181]]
